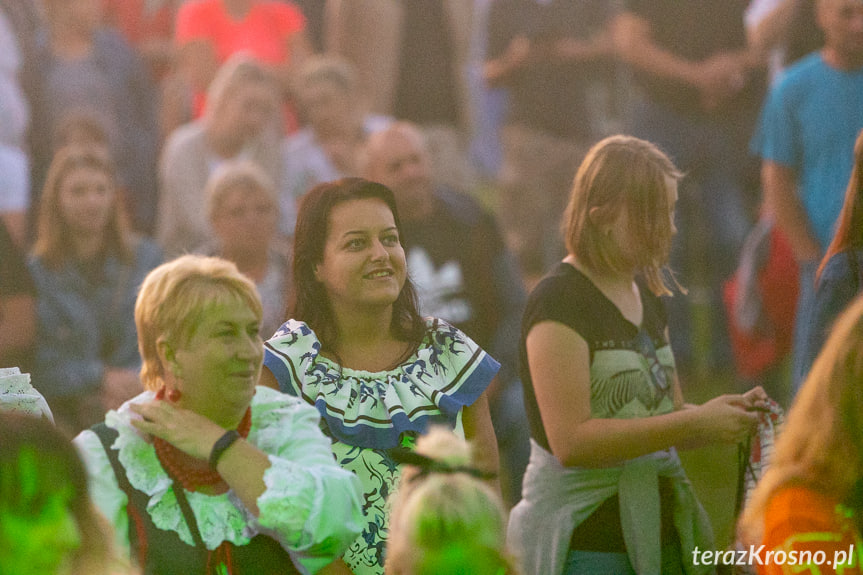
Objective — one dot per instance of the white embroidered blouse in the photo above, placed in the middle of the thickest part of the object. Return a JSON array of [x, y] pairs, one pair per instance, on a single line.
[[311, 506]]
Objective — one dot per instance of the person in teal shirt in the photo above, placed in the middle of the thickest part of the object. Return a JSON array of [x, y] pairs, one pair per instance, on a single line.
[[806, 142]]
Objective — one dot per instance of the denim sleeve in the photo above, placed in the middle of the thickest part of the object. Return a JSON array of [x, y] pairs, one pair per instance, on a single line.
[[67, 358], [512, 300], [835, 291], [121, 329]]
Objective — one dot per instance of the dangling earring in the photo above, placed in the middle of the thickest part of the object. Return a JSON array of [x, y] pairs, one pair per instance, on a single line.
[[172, 395]]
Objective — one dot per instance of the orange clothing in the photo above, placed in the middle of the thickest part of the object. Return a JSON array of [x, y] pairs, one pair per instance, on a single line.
[[813, 532]]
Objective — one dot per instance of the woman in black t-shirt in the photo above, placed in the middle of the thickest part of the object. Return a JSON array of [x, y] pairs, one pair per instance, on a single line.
[[604, 490]]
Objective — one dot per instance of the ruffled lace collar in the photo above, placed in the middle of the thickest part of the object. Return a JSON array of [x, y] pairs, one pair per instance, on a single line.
[[447, 372], [220, 517]]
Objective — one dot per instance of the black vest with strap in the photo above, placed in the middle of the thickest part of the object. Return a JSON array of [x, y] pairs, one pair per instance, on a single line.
[[161, 552]]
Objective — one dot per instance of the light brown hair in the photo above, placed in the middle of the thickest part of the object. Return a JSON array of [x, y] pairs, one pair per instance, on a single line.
[[446, 522], [821, 444], [849, 232], [622, 173], [239, 70], [173, 300], [58, 467], [53, 238], [330, 69]]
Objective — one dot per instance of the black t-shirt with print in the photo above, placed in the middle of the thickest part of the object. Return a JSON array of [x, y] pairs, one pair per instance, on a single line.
[[568, 297], [14, 277], [620, 385], [451, 257], [15, 280]]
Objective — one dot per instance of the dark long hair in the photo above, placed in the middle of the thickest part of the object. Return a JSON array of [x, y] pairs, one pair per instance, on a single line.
[[310, 302], [849, 232]]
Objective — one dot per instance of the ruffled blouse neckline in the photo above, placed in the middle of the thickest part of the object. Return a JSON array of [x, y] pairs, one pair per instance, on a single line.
[[374, 409], [220, 517]]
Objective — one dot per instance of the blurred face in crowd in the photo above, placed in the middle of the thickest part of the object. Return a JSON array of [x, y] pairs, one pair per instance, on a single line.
[[86, 200], [245, 221], [842, 23], [87, 14], [83, 16], [398, 160], [248, 108], [329, 108]]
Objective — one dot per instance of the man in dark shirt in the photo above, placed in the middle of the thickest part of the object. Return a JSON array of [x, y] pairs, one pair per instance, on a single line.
[[701, 91], [546, 55], [463, 273]]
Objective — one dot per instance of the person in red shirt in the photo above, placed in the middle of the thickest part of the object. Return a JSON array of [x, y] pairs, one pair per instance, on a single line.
[[208, 32]]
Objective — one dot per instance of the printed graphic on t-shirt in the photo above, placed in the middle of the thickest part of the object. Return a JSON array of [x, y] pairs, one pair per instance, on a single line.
[[441, 289]]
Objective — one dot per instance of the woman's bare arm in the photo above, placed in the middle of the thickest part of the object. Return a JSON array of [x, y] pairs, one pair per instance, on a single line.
[[560, 371], [479, 431]]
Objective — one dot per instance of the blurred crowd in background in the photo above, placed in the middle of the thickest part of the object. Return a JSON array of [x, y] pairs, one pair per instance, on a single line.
[[134, 131]]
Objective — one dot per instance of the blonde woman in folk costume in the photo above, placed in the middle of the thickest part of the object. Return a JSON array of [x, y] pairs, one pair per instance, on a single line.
[[205, 472]]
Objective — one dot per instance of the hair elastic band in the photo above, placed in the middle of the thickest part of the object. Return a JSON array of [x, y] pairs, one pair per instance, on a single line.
[[427, 465]]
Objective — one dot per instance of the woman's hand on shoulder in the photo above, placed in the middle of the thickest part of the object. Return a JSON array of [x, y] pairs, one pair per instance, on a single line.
[[186, 430]]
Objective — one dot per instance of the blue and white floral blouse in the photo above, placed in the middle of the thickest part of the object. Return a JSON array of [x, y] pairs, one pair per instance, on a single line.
[[366, 414]]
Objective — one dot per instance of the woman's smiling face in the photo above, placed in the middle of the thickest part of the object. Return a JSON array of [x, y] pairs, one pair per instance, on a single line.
[[364, 262], [220, 364]]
